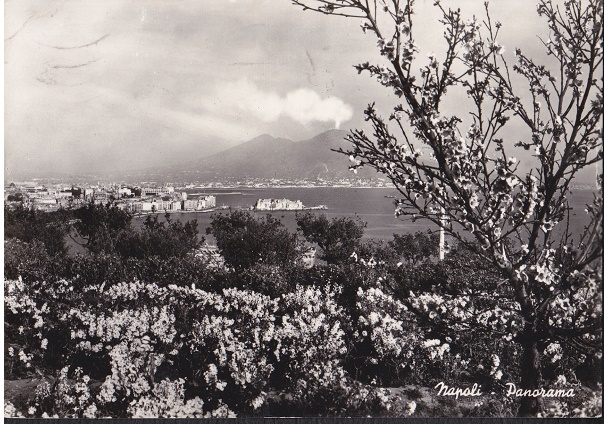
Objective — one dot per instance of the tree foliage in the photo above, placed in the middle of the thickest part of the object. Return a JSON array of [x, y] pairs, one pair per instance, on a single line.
[[26, 260], [337, 237], [415, 248], [99, 226], [50, 228], [245, 240], [165, 240], [108, 229]]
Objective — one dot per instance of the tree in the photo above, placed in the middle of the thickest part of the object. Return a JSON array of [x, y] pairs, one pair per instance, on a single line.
[[99, 226], [29, 225], [415, 248], [244, 240], [165, 240], [336, 238], [17, 197], [26, 260], [520, 219]]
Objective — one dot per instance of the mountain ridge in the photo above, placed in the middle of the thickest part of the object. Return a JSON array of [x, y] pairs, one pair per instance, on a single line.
[[283, 159], [268, 157]]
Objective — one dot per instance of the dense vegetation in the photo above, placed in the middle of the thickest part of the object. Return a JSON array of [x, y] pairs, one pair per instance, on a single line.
[[144, 325]]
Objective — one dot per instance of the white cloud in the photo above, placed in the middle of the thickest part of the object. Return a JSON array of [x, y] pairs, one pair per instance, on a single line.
[[305, 105], [302, 105]]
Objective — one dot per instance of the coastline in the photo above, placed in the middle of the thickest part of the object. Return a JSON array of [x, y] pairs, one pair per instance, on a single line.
[[251, 209]]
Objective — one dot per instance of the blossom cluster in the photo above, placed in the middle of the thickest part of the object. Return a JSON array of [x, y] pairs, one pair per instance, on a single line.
[[312, 341], [382, 320]]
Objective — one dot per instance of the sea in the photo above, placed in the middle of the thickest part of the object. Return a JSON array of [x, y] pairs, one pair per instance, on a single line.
[[374, 206]]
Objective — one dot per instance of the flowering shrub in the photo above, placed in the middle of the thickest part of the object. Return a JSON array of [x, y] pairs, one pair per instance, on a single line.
[[233, 339], [222, 338], [402, 350], [10, 411], [587, 404], [28, 310], [167, 401], [385, 324], [311, 344], [66, 398]]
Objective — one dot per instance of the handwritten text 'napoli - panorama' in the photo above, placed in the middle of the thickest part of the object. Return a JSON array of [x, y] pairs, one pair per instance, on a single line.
[[444, 390]]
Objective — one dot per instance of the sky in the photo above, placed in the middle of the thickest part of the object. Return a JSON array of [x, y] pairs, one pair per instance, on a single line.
[[95, 86]]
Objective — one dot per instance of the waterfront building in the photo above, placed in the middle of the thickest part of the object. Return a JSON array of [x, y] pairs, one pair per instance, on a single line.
[[206, 202], [189, 205], [156, 191], [278, 205], [151, 206], [151, 191], [202, 202]]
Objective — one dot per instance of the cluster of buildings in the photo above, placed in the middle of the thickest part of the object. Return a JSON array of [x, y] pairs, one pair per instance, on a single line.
[[132, 199], [278, 205], [283, 205], [41, 197], [160, 202]]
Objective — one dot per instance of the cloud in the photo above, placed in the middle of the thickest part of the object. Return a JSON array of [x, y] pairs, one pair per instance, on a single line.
[[302, 105]]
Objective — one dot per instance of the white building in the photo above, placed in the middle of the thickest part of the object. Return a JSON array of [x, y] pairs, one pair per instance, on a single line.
[[279, 205], [206, 202], [203, 202], [151, 206], [124, 192]]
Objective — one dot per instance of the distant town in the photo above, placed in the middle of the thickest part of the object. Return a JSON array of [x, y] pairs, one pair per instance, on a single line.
[[150, 197], [134, 199]]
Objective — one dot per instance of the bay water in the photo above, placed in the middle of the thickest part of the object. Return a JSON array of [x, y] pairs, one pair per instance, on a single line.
[[375, 206]]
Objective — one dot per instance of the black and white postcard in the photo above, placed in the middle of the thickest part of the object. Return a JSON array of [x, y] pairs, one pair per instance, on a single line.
[[302, 208]]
